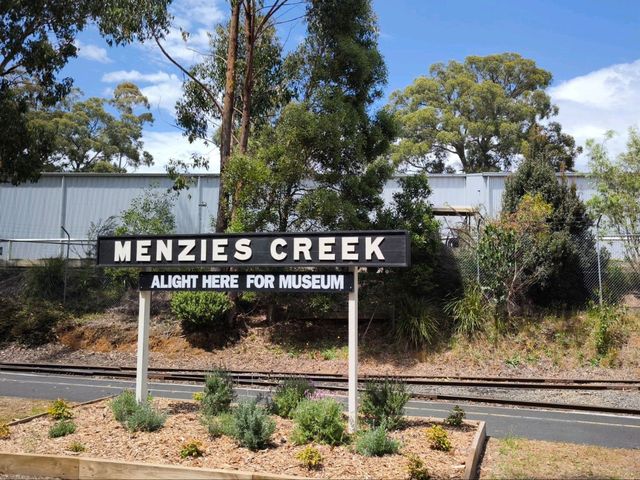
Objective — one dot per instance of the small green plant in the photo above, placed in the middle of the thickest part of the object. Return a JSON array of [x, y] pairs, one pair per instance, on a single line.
[[438, 438], [289, 394], [192, 448], [310, 458], [376, 443], [416, 469], [62, 428], [145, 418], [513, 361], [384, 402], [124, 405], [471, 312], [198, 396], [319, 421], [76, 447], [218, 393], [455, 417], [253, 426], [200, 311], [222, 424], [606, 319], [60, 410], [5, 431]]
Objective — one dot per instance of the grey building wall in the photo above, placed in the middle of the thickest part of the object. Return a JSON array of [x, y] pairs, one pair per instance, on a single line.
[[38, 210]]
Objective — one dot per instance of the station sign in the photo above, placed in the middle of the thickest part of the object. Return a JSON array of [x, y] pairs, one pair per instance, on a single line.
[[299, 282], [352, 248]]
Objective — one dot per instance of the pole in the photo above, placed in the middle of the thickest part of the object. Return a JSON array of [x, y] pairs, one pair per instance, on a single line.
[[143, 346], [66, 265], [353, 354], [598, 253]]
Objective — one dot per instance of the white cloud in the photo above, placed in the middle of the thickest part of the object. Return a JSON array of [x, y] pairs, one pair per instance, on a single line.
[[92, 52], [173, 145], [606, 99], [135, 76], [163, 93]]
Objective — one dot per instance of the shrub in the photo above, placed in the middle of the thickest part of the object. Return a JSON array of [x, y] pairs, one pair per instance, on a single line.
[[253, 427], [124, 405], [5, 431], [471, 312], [455, 417], [383, 402], [310, 458], [218, 393], [319, 421], [416, 322], [438, 438], [607, 320], [376, 443], [200, 311], [76, 447], [198, 396], [45, 281], [34, 322], [222, 424], [416, 469], [60, 410], [145, 418], [62, 428], [192, 448], [289, 394]]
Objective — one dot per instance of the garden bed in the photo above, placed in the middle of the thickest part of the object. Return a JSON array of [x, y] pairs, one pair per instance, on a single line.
[[103, 437]]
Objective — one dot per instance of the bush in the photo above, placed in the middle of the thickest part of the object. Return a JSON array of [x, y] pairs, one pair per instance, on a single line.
[[124, 405], [606, 331], [45, 281], [376, 443], [222, 424], [31, 323], [60, 410], [198, 396], [5, 431], [76, 447], [62, 428], [438, 438], [200, 311], [145, 418], [218, 393], [289, 394], [310, 458], [416, 469], [192, 448], [416, 322], [383, 402], [253, 427], [471, 312], [455, 417], [319, 421]]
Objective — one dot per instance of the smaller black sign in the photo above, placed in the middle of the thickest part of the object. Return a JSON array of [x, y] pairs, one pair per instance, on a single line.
[[311, 282]]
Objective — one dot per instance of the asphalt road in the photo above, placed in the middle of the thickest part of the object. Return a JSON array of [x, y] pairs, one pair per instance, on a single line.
[[616, 431]]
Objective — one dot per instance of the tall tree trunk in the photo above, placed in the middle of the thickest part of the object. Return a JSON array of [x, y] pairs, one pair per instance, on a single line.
[[226, 128]]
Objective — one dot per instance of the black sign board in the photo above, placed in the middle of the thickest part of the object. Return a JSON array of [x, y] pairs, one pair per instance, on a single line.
[[237, 281], [354, 248]]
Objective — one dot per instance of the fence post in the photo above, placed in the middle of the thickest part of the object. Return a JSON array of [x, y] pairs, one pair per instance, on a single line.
[[598, 253]]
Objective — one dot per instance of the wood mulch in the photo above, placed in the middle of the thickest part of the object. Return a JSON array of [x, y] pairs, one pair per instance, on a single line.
[[104, 437]]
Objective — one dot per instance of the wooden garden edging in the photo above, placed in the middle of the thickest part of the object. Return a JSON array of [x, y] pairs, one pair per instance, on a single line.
[[473, 458], [86, 468]]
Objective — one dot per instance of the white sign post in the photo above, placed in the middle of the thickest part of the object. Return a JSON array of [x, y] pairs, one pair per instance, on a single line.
[[144, 314], [353, 354]]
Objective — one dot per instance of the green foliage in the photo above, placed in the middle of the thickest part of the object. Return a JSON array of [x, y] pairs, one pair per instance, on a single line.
[[417, 321], [198, 396], [310, 458], [5, 431], [289, 394], [482, 111], [46, 280], [221, 424], [218, 393], [383, 403], [318, 421], [472, 312], [607, 322], [62, 428], [150, 213], [60, 410], [201, 311], [455, 417], [416, 469], [76, 447], [438, 438], [29, 322], [376, 443], [124, 405], [253, 426], [192, 449], [618, 198], [145, 418]]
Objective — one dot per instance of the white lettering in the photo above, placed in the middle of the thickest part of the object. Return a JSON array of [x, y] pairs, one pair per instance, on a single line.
[[122, 251], [373, 248], [203, 250], [163, 250], [243, 250], [349, 248], [188, 246], [155, 283], [302, 246], [217, 253], [142, 251], [325, 247], [278, 256]]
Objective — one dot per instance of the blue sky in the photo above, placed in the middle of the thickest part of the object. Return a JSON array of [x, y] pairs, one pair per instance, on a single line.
[[591, 47]]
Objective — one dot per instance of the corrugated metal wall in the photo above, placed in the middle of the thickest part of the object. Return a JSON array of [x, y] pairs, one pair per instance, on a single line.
[[38, 210]]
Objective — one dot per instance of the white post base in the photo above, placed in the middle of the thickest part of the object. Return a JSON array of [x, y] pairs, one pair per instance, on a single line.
[[142, 367], [353, 354]]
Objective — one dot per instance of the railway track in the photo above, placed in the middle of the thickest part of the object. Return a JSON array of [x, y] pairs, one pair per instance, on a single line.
[[338, 383]]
